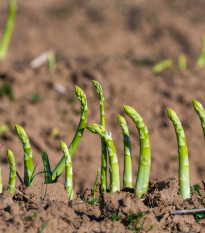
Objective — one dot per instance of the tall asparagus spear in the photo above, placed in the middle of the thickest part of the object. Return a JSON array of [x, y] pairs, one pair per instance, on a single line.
[[113, 160], [78, 135], [127, 175], [47, 168], [1, 183], [68, 170], [12, 176], [4, 43], [142, 181], [28, 158], [103, 145], [183, 155], [200, 111]]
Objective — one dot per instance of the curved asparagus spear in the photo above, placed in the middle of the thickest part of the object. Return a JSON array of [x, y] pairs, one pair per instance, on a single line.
[[183, 155], [68, 170], [113, 160], [78, 135], [127, 175], [200, 111], [12, 176], [142, 181], [103, 145], [1, 183], [28, 158], [9, 28], [47, 168]]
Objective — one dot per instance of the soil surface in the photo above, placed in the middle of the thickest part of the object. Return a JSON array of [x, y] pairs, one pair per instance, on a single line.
[[116, 43]]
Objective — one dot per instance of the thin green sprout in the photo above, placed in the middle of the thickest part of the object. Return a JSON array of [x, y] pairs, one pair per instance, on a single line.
[[143, 174], [103, 144], [28, 158], [182, 62], [201, 59], [127, 175], [162, 65], [12, 176], [96, 181], [51, 60], [78, 135], [4, 43], [68, 170], [47, 168], [113, 160], [201, 113], [183, 155]]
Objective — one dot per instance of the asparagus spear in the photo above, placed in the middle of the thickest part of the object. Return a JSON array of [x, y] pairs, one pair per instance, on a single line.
[[183, 155], [12, 176], [1, 183], [201, 58], [200, 111], [9, 28], [96, 182], [127, 175], [68, 170], [78, 135], [47, 168], [103, 145], [113, 160], [28, 158], [142, 181]]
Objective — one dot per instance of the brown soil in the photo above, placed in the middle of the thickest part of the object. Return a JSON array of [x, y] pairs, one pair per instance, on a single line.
[[114, 42]]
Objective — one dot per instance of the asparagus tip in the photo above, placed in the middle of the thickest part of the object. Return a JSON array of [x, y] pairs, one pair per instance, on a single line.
[[80, 94], [97, 85]]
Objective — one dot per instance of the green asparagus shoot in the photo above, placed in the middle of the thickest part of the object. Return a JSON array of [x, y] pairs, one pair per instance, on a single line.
[[6, 37], [201, 58], [78, 135], [127, 175], [3, 129], [1, 183], [47, 168], [28, 158], [183, 155], [143, 174], [12, 176], [96, 181], [113, 160], [68, 170], [182, 62], [201, 113], [162, 65], [103, 144], [51, 60]]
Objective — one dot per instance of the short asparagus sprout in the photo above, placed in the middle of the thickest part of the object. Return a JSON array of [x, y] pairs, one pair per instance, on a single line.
[[103, 144], [12, 176], [162, 65], [143, 174], [182, 62], [183, 155], [4, 43], [127, 175], [47, 168], [96, 182], [78, 135], [1, 183], [201, 113], [201, 58], [68, 170], [51, 60], [28, 158], [113, 160]]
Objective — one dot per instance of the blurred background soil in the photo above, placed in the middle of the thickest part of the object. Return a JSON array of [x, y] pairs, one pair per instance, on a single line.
[[116, 43]]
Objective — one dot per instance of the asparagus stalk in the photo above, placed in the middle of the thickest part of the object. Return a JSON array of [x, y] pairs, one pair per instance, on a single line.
[[142, 181], [103, 145], [9, 29], [113, 160], [201, 113], [12, 176], [28, 158], [183, 155], [47, 168], [68, 170], [127, 175], [1, 183], [78, 135]]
